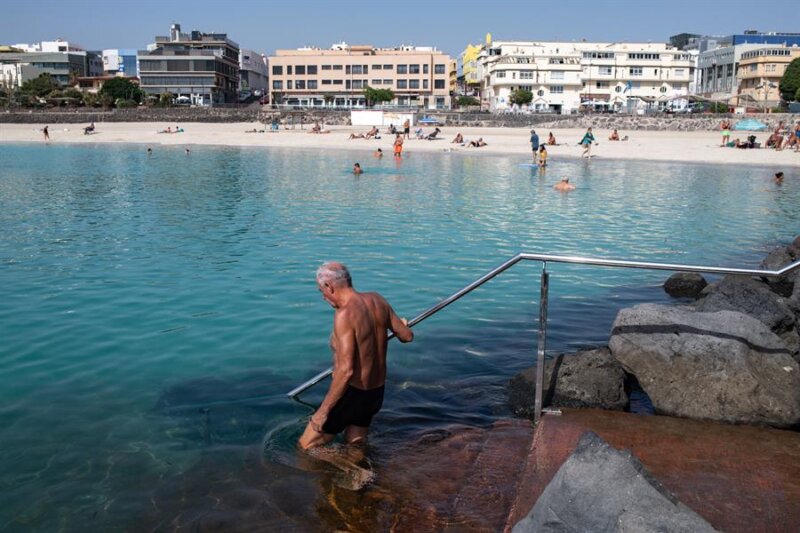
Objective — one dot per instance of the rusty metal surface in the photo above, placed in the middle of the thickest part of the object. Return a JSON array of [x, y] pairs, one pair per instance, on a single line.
[[739, 478]]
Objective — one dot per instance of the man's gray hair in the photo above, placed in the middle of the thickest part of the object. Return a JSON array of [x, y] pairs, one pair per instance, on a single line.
[[335, 274]]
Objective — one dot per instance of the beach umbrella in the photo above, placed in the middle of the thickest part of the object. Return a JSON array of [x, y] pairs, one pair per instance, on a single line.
[[750, 124]]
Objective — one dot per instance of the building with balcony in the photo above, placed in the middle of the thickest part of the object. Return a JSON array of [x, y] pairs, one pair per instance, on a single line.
[[337, 77], [468, 69], [253, 76], [564, 75], [718, 66], [759, 74], [202, 67]]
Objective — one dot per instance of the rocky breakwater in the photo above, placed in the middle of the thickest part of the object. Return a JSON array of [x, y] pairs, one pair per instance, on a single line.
[[732, 355], [728, 352]]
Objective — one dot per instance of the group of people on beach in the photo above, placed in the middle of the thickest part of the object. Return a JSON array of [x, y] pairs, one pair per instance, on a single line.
[[782, 137]]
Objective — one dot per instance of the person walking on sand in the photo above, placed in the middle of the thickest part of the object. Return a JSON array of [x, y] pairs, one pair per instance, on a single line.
[[398, 145], [534, 145], [46, 133], [361, 322], [587, 141], [407, 128]]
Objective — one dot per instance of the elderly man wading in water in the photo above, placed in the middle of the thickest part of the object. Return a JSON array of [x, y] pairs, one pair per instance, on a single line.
[[359, 341]]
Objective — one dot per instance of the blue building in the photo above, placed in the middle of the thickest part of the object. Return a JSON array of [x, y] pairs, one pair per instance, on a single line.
[[120, 61]]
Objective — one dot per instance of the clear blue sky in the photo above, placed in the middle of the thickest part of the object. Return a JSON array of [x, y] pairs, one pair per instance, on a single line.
[[449, 25]]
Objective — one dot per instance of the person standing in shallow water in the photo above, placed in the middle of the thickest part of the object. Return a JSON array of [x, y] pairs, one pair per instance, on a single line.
[[361, 322]]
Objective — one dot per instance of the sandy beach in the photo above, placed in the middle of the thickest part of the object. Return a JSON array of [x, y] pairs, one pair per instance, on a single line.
[[700, 147]]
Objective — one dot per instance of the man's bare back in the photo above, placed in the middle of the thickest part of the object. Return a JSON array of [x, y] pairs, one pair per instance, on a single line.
[[359, 343]]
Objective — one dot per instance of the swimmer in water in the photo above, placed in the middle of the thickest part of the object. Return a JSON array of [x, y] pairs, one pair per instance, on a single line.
[[564, 185], [357, 169]]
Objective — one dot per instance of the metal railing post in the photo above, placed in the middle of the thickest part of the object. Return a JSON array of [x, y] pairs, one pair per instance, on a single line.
[[539, 394]]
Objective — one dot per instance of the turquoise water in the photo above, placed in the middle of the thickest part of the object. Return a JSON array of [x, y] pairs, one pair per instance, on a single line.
[[155, 309]]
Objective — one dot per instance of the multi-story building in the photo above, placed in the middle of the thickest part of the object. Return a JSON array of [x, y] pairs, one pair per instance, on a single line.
[[337, 77], [759, 74], [565, 75], [718, 65], [253, 76], [64, 61], [120, 62], [468, 63], [202, 68]]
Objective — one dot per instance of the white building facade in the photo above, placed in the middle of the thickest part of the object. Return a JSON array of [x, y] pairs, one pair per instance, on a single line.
[[563, 76], [253, 76]]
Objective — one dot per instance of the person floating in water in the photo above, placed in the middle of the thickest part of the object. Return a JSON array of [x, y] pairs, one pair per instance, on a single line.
[[357, 169], [378, 153], [361, 322], [149, 151], [564, 185], [779, 177]]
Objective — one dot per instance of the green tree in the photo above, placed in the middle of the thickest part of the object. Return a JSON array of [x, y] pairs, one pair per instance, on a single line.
[[165, 100], [790, 82], [797, 95], [465, 101], [122, 88], [521, 97], [376, 96], [40, 86]]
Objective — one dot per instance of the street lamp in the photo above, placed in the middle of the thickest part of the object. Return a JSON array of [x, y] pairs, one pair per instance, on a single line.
[[766, 86]]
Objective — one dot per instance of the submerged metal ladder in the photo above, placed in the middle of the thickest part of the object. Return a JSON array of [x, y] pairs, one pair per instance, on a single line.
[[543, 298]]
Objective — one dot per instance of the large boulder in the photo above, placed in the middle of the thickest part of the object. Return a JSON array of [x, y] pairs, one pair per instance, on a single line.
[[776, 260], [751, 297], [724, 366], [599, 488], [590, 378], [685, 284]]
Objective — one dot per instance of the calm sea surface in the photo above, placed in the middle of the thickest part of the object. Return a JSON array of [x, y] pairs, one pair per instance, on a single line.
[[154, 310]]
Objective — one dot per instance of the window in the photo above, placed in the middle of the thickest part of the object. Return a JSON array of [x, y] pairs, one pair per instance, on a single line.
[[413, 84], [326, 67], [644, 56], [540, 92], [387, 82], [425, 83], [277, 70], [312, 84], [525, 75], [377, 82], [376, 67], [770, 68], [663, 89], [557, 75], [402, 69], [557, 89], [181, 65], [402, 84], [679, 72], [601, 85], [358, 84], [500, 74], [300, 84], [618, 88], [636, 71], [439, 102], [289, 85], [326, 82], [425, 68], [598, 55], [300, 70], [277, 85], [438, 69], [347, 70], [337, 67], [312, 69], [438, 84], [604, 71], [413, 69], [289, 70], [337, 82], [359, 69], [388, 67]]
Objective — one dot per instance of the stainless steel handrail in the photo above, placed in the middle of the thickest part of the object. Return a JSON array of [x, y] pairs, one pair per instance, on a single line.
[[545, 258]]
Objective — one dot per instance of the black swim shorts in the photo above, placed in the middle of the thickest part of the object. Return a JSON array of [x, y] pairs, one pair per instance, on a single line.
[[355, 408]]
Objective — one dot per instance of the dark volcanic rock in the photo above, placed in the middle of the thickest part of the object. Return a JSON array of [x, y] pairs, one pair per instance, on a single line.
[[751, 297], [779, 258], [590, 378], [723, 366], [599, 488], [689, 284]]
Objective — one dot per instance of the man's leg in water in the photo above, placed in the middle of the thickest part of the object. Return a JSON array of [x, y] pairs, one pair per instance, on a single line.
[[355, 435], [312, 438]]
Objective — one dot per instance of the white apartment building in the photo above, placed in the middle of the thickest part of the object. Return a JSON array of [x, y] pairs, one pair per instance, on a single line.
[[253, 76], [563, 76]]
